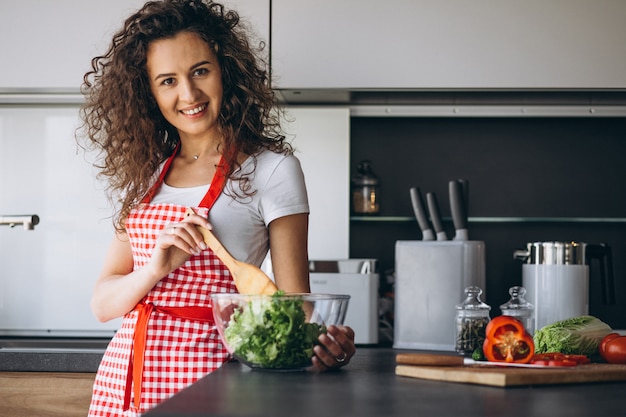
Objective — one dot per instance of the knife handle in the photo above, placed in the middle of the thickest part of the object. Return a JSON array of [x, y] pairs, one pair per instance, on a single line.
[[428, 359], [457, 206], [465, 193], [420, 213], [435, 215]]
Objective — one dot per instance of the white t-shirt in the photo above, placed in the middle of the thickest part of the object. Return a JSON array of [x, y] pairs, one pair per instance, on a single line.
[[241, 224]]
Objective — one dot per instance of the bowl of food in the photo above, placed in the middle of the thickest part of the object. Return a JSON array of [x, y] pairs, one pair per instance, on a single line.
[[276, 332]]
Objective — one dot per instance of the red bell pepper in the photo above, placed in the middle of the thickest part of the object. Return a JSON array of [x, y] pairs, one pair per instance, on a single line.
[[506, 340]]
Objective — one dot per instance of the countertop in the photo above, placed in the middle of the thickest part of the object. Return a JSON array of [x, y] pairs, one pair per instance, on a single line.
[[368, 386], [49, 354], [82, 361]]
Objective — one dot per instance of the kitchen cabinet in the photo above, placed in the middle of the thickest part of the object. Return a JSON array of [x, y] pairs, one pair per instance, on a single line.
[[321, 138], [448, 44], [401, 44], [49, 44], [45, 394], [47, 274]]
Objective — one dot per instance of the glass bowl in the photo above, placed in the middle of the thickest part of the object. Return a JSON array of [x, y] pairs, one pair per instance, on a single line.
[[276, 332]]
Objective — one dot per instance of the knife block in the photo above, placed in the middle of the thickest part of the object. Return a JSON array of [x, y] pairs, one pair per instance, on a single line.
[[431, 277]]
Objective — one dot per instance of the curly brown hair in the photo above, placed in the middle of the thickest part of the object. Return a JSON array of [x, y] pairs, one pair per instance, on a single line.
[[121, 117]]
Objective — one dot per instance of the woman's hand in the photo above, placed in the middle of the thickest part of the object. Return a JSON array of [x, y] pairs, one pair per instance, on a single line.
[[288, 247], [119, 288], [176, 243], [335, 350]]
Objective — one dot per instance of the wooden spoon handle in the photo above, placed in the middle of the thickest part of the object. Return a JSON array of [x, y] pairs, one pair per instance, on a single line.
[[249, 279], [216, 246], [428, 359]]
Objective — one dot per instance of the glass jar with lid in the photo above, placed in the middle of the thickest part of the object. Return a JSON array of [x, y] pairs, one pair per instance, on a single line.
[[365, 191], [472, 317], [519, 308]]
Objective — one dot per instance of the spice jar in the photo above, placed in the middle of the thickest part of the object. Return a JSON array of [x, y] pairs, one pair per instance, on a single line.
[[365, 190], [519, 308], [472, 317]]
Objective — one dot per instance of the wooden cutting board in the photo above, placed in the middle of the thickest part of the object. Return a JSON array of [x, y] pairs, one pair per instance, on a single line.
[[507, 377]]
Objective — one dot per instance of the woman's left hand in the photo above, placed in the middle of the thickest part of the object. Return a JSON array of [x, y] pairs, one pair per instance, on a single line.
[[335, 350]]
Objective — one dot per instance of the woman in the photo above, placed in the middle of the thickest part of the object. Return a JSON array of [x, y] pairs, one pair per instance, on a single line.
[[184, 117]]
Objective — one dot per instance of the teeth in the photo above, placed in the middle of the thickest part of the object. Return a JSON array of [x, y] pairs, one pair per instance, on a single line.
[[194, 111]]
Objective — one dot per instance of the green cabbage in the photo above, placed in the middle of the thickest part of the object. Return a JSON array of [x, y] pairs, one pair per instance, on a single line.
[[272, 333], [576, 336]]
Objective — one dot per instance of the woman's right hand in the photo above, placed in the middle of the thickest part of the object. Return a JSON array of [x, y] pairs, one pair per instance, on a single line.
[[176, 243], [120, 287]]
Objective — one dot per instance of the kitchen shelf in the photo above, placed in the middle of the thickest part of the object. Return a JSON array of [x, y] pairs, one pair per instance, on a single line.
[[400, 219], [487, 111]]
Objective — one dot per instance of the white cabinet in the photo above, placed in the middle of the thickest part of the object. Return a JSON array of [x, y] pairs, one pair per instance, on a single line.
[[321, 137], [49, 44], [47, 274], [449, 44], [354, 44]]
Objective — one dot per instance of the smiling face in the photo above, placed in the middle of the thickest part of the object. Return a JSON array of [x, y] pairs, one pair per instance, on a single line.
[[186, 81]]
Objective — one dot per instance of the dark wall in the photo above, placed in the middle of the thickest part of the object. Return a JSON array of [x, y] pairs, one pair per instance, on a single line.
[[517, 168]]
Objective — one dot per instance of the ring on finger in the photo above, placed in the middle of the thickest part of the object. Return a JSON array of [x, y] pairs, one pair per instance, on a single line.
[[341, 358]]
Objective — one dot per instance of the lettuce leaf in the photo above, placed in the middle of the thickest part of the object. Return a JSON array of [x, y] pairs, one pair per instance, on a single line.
[[273, 333], [575, 336]]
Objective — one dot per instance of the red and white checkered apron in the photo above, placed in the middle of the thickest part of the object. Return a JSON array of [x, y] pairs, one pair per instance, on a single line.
[[181, 342]]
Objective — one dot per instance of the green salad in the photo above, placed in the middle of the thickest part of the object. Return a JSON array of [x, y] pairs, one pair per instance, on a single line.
[[272, 333]]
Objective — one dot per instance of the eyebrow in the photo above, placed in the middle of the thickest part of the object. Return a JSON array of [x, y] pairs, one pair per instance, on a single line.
[[167, 75]]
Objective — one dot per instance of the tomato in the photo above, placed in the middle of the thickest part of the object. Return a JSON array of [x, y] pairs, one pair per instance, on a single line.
[[564, 362], [606, 340], [613, 348], [506, 340], [559, 359], [554, 362], [579, 359]]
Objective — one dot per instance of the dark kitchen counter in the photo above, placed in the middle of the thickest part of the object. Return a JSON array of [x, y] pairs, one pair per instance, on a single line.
[[369, 387], [50, 354], [50, 361]]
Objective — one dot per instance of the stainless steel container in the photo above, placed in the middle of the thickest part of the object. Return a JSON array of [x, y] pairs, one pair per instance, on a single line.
[[554, 253], [556, 278]]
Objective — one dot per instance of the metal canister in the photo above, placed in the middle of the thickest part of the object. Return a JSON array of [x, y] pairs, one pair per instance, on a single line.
[[553, 253], [556, 277]]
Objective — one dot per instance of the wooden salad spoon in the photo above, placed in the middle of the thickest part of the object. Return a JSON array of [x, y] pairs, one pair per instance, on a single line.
[[248, 278]]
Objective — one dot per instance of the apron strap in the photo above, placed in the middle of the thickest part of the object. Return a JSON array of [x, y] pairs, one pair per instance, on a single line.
[[215, 189], [144, 310], [217, 184]]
